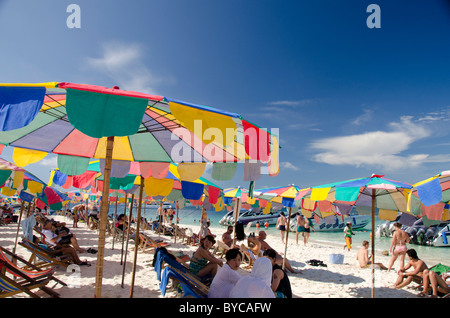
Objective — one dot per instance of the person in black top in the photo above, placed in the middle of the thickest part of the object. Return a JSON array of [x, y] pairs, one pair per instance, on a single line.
[[281, 285]]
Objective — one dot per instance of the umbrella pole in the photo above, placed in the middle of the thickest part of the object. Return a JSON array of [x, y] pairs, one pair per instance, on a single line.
[[128, 236], [103, 217], [373, 243], [18, 224], [176, 222], [287, 236], [236, 214], [113, 230], [123, 233], [136, 238]]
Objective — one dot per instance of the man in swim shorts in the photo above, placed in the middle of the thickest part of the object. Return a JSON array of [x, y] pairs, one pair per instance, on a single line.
[[281, 225]]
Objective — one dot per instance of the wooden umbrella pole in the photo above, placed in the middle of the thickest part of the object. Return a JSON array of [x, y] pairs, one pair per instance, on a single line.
[[287, 237], [136, 239], [114, 218], [373, 243], [176, 222], [22, 205], [236, 216], [103, 217], [123, 232], [128, 237]]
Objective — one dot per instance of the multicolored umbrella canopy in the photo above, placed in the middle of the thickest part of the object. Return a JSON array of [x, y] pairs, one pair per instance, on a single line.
[[163, 184], [16, 180], [285, 195], [430, 198], [78, 122], [376, 192], [60, 118]]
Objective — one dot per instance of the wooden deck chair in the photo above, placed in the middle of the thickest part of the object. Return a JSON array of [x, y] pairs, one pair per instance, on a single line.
[[35, 272], [10, 287], [220, 248], [146, 242], [42, 258], [249, 257]]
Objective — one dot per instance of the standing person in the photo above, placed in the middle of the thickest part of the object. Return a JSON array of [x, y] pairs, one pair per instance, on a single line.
[[160, 215], [281, 285], [227, 276], [308, 227], [281, 225], [300, 227], [77, 210], [398, 245], [419, 266], [266, 225], [348, 231]]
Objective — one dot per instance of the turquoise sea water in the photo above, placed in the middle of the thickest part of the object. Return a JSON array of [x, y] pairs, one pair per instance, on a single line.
[[190, 215]]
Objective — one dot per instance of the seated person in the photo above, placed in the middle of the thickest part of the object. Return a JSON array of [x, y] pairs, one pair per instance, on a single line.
[[439, 283], [227, 238], [203, 263], [363, 257], [60, 251], [281, 285], [265, 246], [227, 276], [419, 266], [62, 238]]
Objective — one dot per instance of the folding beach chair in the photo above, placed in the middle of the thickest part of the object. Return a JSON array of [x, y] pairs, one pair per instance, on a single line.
[[220, 248], [10, 287], [189, 285], [43, 258], [249, 256], [146, 242], [35, 271]]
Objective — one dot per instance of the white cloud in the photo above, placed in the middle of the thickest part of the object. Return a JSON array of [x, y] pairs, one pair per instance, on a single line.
[[123, 62], [49, 162], [381, 149], [288, 165]]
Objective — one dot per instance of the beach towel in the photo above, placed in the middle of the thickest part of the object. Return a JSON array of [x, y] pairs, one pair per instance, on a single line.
[[27, 227]]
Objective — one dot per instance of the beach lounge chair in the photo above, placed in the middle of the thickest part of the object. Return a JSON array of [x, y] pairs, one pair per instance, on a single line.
[[42, 258], [146, 242], [22, 283], [249, 256], [220, 248], [35, 272], [189, 286]]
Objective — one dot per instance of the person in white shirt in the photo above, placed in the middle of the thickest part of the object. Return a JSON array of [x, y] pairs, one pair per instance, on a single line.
[[62, 238], [227, 276], [257, 284]]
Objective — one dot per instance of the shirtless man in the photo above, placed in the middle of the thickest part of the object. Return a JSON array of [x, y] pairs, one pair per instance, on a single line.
[[281, 225], [363, 257], [265, 246], [300, 227], [77, 210], [398, 245], [417, 264], [226, 237]]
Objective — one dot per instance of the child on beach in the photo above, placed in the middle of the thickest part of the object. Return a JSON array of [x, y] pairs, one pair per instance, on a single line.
[[348, 236]]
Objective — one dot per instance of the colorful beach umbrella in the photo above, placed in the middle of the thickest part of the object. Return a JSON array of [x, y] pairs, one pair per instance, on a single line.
[[430, 198], [78, 122], [374, 192]]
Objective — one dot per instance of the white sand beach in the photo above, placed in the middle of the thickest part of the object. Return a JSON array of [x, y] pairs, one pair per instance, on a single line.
[[345, 280]]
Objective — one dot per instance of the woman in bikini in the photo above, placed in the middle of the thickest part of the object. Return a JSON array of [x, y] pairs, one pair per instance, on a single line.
[[398, 246], [203, 262]]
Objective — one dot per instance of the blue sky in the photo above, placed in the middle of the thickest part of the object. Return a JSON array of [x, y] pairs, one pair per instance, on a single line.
[[348, 100]]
